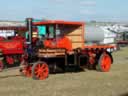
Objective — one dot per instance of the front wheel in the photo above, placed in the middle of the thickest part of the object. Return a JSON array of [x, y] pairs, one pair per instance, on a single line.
[[40, 71], [104, 63]]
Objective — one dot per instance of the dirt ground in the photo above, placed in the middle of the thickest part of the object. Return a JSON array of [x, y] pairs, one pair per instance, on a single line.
[[88, 83]]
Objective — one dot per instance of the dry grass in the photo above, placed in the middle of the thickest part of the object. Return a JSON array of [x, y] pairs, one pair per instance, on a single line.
[[89, 83]]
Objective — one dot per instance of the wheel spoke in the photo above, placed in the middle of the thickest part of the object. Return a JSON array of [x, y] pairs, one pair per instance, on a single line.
[[45, 70], [43, 66], [38, 74], [42, 76], [40, 65], [36, 71]]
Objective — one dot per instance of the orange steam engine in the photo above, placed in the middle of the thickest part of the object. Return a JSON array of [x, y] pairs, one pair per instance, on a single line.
[[62, 48]]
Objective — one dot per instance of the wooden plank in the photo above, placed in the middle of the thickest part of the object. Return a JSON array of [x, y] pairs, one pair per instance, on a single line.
[[50, 55], [76, 45], [75, 38], [70, 29], [77, 31], [74, 35], [77, 41], [52, 50]]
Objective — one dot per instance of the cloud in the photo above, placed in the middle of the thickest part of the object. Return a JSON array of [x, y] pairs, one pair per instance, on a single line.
[[88, 3]]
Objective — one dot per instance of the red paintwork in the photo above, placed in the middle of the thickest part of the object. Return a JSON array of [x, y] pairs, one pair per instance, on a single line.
[[10, 60], [58, 22], [62, 42], [100, 46], [11, 47], [34, 39], [48, 43], [18, 38], [13, 28]]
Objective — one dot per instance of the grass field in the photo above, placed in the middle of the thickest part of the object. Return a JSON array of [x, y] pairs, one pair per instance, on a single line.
[[88, 83]]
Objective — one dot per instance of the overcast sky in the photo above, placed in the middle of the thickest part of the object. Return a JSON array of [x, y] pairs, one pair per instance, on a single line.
[[78, 10]]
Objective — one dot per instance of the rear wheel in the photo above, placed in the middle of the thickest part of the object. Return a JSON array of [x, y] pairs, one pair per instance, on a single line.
[[104, 63], [26, 70], [40, 71]]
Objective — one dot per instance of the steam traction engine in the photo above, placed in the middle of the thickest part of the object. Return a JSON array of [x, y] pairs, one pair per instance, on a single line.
[[11, 51], [62, 47]]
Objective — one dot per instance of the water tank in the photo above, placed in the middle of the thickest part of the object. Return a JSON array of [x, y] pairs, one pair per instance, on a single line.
[[93, 34]]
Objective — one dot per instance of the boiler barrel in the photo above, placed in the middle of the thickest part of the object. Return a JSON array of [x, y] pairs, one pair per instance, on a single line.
[[93, 34]]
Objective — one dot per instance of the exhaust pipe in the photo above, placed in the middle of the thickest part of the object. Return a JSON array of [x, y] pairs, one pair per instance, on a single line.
[[29, 22]]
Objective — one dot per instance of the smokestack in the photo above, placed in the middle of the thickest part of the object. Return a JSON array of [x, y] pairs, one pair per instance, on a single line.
[[29, 28]]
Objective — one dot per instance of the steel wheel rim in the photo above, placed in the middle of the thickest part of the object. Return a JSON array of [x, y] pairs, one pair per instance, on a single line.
[[106, 63], [41, 71], [27, 71]]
